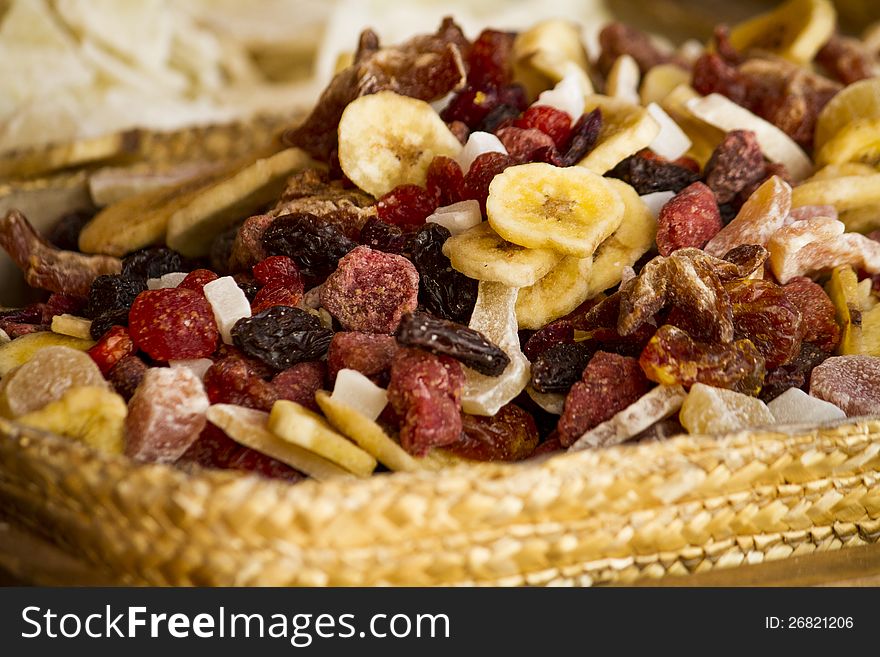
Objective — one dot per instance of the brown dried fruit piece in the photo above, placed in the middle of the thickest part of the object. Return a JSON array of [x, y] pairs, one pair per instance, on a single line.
[[300, 383], [847, 59], [370, 290], [609, 384], [852, 383], [425, 67], [425, 390], [165, 415], [368, 353], [509, 435], [46, 267], [672, 356], [618, 39], [763, 314], [689, 219], [817, 312], [736, 163], [126, 376]]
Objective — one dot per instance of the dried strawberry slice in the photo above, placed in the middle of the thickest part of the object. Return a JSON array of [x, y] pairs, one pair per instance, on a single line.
[[197, 279], [115, 345], [173, 323]]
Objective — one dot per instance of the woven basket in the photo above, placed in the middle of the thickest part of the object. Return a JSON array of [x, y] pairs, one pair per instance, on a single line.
[[689, 504]]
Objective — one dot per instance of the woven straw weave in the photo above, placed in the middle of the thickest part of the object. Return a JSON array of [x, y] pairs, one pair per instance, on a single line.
[[689, 504]]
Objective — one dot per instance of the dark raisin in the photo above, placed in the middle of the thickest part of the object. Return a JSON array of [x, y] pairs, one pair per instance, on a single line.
[[795, 374], [443, 291], [112, 292], [65, 233], [378, 235], [282, 336], [583, 137], [315, 246], [647, 174], [470, 106], [445, 338], [152, 263], [248, 285], [498, 115], [106, 321], [728, 212], [221, 250], [560, 367]]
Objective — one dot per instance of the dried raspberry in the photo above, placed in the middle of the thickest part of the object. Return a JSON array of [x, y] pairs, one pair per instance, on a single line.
[[173, 323], [197, 279], [489, 62], [553, 122], [406, 206], [609, 384], [370, 290], [126, 376], [523, 143], [763, 314], [113, 346], [166, 414], [277, 269], [277, 294], [690, 218], [817, 312], [231, 381], [445, 180], [300, 383], [368, 353], [480, 175], [509, 435], [426, 391], [736, 163]]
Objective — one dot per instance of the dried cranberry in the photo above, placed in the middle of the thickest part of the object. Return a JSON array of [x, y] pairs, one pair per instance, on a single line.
[[368, 353], [445, 180], [483, 170], [277, 269], [250, 460], [523, 144], [406, 206], [198, 279], [712, 74], [555, 333], [231, 381], [551, 121], [584, 135], [489, 62], [471, 105], [276, 294], [300, 383]]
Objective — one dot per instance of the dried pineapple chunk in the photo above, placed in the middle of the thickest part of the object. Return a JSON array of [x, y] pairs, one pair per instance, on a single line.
[[709, 410], [844, 292]]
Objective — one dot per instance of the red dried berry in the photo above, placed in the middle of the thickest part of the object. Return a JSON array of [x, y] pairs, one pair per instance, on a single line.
[[113, 346], [425, 390], [690, 218], [212, 449], [712, 74], [489, 62], [250, 460], [277, 294], [617, 39], [61, 304], [555, 333], [231, 381], [126, 375], [483, 170], [368, 353], [173, 323], [818, 324], [609, 384], [277, 269], [736, 163], [370, 290], [509, 435], [763, 314], [470, 106], [550, 446], [445, 181], [406, 206], [523, 143], [197, 279], [552, 121], [300, 383]]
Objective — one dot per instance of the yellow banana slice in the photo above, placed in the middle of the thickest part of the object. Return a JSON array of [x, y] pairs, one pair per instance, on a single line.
[[844, 193], [777, 146], [481, 254], [660, 81], [386, 140], [795, 30], [22, 349], [831, 171], [858, 101], [546, 53], [858, 141], [626, 129], [570, 210], [861, 220], [555, 295]]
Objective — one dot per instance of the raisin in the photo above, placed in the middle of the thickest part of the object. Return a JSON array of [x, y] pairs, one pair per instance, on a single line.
[[248, 285], [690, 218], [559, 367], [65, 233], [282, 336], [197, 279], [672, 356], [315, 246], [105, 321], [152, 262], [371, 290], [368, 353], [763, 314], [277, 269], [483, 170], [489, 62], [126, 375], [112, 292], [499, 117], [113, 346], [470, 106], [445, 180], [648, 175], [425, 390], [443, 291], [378, 235], [608, 385], [555, 333], [509, 435], [817, 312], [173, 323], [231, 381], [405, 206], [795, 374], [300, 383], [220, 253], [736, 163], [584, 135], [447, 338], [553, 122]]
